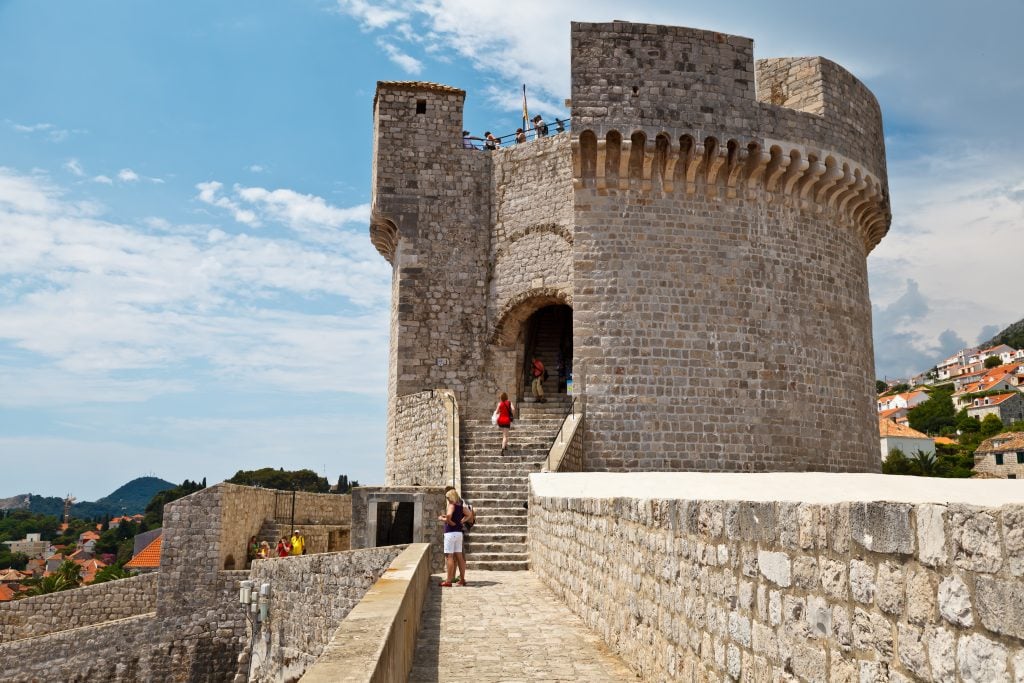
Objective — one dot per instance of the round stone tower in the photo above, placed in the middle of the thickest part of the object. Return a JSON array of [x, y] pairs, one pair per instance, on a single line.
[[724, 210]]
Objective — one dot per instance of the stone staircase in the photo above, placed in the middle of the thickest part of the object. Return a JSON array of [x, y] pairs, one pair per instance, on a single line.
[[497, 486]]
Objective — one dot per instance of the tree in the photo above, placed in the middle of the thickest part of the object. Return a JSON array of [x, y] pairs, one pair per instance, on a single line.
[[895, 463], [993, 362], [880, 386], [934, 414], [269, 478], [900, 388], [111, 573], [67, 576], [154, 515], [991, 425], [1017, 426], [344, 485]]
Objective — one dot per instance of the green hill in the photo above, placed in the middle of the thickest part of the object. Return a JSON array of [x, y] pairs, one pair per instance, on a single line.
[[130, 499], [1011, 336]]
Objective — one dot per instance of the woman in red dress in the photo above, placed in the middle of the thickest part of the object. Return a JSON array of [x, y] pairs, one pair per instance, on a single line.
[[506, 413]]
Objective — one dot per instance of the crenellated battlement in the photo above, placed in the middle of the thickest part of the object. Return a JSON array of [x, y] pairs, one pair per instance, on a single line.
[[815, 178]]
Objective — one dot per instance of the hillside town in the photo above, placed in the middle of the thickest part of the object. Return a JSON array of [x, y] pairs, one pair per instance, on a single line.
[[968, 408], [54, 565]]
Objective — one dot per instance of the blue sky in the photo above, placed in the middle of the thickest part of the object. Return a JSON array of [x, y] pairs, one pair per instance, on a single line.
[[186, 283]]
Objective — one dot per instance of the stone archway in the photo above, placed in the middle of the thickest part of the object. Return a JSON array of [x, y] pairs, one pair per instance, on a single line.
[[538, 316]]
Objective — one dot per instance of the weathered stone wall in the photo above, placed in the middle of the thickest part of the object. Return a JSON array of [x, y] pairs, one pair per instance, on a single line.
[[119, 651], [423, 434], [693, 588], [309, 598], [43, 614]]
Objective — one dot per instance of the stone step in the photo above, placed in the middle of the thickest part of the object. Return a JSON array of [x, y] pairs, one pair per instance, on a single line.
[[496, 565], [496, 548], [496, 557]]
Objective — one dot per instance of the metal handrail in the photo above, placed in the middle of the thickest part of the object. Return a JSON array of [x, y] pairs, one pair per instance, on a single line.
[[455, 443], [571, 412], [559, 125]]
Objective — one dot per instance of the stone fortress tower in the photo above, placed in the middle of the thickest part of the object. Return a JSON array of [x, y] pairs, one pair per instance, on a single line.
[[695, 247]]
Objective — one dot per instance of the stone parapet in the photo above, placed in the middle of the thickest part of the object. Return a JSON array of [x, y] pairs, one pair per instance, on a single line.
[[767, 577], [310, 596], [44, 614], [376, 642]]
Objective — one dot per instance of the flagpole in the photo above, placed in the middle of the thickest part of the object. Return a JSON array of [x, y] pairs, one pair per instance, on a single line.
[[525, 114]]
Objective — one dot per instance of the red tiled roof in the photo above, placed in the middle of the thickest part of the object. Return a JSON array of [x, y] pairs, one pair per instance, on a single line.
[[148, 557], [6, 593], [887, 428], [945, 440], [12, 575], [891, 412], [89, 536], [1007, 441]]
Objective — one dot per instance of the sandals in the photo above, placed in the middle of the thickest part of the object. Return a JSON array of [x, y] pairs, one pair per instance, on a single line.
[[446, 584], [460, 582]]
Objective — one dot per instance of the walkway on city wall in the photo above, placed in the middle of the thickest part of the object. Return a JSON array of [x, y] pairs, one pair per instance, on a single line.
[[507, 626]]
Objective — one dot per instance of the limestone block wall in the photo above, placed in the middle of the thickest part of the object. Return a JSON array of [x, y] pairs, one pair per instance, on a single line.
[[311, 595], [718, 581], [701, 325], [44, 614], [424, 439], [532, 220]]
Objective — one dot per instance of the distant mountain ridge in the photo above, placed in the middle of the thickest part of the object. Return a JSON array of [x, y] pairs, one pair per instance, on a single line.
[[130, 499], [1013, 336]]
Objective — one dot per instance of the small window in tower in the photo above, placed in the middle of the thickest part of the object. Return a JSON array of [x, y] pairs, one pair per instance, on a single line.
[[421, 106]]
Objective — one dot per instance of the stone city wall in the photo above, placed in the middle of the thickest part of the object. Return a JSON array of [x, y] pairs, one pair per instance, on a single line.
[[120, 651], [722, 581], [310, 596], [43, 614], [422, 448]]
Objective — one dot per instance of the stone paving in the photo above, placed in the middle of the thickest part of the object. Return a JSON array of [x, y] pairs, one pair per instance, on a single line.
[[508, 627]]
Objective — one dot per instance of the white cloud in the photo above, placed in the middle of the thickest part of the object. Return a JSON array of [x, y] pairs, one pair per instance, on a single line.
[[955, 229], [256, 168], [127, 175], [102, 179], [308, 215], [408, 63], [74, 167], [209, 193], [50, 131], [373, 15], [107, 310]]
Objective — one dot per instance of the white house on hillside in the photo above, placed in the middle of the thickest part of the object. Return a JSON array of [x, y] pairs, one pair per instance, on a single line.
[[894, 435], [907, 399]]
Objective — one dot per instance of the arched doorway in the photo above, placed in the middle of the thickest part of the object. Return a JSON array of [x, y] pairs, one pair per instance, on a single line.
[[548, 336]]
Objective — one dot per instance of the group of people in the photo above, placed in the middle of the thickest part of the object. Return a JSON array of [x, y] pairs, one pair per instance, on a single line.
[[489, 142], [296, 545], [458, 517]]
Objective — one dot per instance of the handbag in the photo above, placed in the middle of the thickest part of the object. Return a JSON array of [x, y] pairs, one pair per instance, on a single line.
[[494, 418]]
